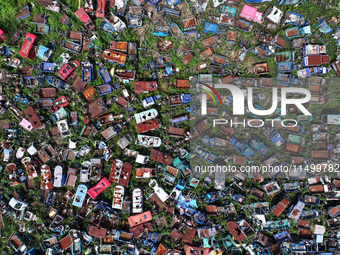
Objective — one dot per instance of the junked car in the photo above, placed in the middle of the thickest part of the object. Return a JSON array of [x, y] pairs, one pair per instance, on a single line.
[[85, 171], [58, 175], [80, 196]]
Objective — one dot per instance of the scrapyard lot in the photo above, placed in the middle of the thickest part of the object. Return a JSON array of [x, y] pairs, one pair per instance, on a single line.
[[95, 106]]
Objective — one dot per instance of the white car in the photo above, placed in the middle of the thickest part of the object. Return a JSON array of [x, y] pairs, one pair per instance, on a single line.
[[275, 15], [20, 152], [58, 175], [30, 216], [17, 205], [141, 159], [118, 197], [85, 171], [137, 201]]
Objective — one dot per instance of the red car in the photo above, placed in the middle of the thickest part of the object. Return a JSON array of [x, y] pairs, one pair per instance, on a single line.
[[160, 157], [59, 103], [145, 86], [26, 48], [67, 72], [100, 13], [148, 126], [82, 15], [102, 185], [2, 36]]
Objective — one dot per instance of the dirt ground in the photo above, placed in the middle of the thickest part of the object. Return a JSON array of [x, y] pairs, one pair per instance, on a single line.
[[232, 55], [248, 63], [146, 28], [185, 10], [158, 18], [164, 88]]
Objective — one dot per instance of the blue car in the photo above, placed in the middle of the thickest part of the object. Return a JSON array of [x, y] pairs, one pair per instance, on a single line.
[[181, 184], [103, 147], [210, 28], [80, 196], [324, 27], [154, 2], [87, 71], [22, 99], [104, 74], [173, 2], [29, 82], [85, 238], [76, 247], [170, 11], [116, 86], [5, 50], [44, 53], [53, 81], [108, 28], [50, 198], [46, 67], [185, 98]]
